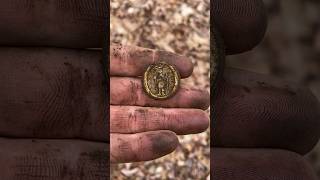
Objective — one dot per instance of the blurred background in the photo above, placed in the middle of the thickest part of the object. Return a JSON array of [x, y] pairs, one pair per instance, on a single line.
[[290, 50], [180, 26]]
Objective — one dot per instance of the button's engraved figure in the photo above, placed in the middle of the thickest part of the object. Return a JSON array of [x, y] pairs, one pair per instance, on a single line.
[[161, 81]]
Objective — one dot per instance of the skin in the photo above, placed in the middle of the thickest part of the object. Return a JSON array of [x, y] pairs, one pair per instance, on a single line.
[[139, 123], [54, 120], [263, 125], [53, 104]]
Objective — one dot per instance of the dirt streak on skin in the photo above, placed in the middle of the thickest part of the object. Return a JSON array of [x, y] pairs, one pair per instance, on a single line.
[[162, 143]]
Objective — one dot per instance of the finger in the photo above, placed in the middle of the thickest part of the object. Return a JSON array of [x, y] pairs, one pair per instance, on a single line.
[[141, 147], [63, 23], [254, 110], [253, 164], [242, 23], [133, 119], [51, 159], [129, 91], [133, 61], [52, 93]]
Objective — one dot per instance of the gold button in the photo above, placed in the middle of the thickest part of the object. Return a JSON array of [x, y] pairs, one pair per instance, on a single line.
[[161, 80]]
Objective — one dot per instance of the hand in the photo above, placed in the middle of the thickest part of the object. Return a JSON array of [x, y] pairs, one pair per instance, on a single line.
[[52, 104], [263, 125], [143, 128]]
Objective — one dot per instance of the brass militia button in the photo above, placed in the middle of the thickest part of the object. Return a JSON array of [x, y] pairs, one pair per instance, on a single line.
[[161, 80]]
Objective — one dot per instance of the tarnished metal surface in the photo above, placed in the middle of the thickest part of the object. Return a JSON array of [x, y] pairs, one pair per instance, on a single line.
[[161, 80]]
